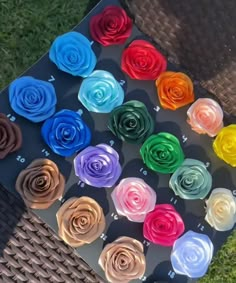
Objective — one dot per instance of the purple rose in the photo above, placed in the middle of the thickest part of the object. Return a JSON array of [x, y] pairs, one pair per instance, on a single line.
[[98, 166]]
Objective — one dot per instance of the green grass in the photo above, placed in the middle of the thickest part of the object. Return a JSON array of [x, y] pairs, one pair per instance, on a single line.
[[27, 28]]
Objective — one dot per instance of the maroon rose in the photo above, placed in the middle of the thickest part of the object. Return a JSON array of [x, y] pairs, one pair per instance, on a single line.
[[111, 26], [142, 61], [10, 136]]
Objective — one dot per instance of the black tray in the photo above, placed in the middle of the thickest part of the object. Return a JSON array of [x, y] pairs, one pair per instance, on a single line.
[[194, 146]]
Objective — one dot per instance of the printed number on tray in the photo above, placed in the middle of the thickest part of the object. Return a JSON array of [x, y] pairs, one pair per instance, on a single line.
[[52, 79], [143, 171], [184, 138], [114, 216], [144, 278], [111, 142], [173, 200], [80, 111], [122, 82], [103, 237], [157, 108], [11, 117], [234, 192], [207, 164], [171, 274], [45, 152], [146, 243], [201, 227], [20, 159], [81, 184]]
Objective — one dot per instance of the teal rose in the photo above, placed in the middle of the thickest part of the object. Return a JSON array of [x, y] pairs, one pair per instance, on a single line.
[[191, 180]]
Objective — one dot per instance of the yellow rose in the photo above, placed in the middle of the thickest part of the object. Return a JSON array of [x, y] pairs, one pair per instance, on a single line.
[[225, 144], [221, 209]]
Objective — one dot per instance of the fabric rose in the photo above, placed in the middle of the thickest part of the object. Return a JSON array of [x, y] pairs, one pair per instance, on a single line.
[[80, 221], [142, 61], [225, 144], [66, 133], [192, 254], [10, 136], [205, 116], [98, 166], [100, 92], [191, 180], [131, 122], [72, 53], [174, 90], [133, 198], [111, 26], [162, 153], [163, 225], [221, 209], [32, 99], [40, 184], [123, 260]]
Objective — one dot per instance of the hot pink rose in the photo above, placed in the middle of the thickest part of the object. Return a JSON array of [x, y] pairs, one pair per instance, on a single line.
[[205, 117], [134, 198], [163, 225]]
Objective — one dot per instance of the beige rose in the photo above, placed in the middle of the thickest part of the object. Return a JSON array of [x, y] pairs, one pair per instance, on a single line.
[[40, 184], [123, 260], [80, 221], [221, 209]]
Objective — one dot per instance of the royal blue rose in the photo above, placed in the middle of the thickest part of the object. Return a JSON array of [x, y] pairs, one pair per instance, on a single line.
[[72, 53], [33, 99], [66, 133]]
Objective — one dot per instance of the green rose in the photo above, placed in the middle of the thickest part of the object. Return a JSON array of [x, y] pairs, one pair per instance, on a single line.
[[131, 122], [191, 180], [162, 153]]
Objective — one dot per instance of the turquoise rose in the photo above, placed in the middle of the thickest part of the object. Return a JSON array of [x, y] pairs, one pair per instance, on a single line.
[[100, 92], [191, 180]]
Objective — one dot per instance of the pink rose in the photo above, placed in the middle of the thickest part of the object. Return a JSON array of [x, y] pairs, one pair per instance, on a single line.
[[205, 116], [134, 198], [163, 225]]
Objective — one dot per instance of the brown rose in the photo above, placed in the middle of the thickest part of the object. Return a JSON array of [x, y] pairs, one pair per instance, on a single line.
[[80, 221], [123, 260], [40, 184], [10, 136]]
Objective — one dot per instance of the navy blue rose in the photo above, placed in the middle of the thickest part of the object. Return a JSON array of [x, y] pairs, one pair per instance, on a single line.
[[72, 53], [32, 99], [66, 133]]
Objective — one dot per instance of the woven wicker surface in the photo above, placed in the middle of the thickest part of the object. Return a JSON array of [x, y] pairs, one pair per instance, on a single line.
[[198, 35], [31, 252]]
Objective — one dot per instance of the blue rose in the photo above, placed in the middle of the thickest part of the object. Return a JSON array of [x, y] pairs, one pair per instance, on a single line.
[[33, 99], [100, 92], [72, 53], [66, 133]]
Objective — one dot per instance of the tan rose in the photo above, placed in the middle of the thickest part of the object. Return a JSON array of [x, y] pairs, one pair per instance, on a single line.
[[80, 221], [40, 184], [123, 260], [221, 209]]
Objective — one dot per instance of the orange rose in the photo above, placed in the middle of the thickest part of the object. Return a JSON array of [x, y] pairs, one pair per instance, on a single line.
[[174, 89]]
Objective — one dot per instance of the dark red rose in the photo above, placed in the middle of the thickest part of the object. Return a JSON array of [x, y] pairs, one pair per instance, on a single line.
[[10, 136], [111, 26], [142, 61]]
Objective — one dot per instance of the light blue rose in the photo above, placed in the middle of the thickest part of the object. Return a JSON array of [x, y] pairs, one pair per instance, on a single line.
[[192, 254], [33, 99], [72, 53], [100, 92]]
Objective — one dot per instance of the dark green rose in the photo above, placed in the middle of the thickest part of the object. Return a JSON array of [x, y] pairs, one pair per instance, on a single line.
[[162, 153], [131, 122], [191, 180]]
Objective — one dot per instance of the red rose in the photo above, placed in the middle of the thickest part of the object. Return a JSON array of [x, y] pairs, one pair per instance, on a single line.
[[142, 61], [111, 26], [163, 225]]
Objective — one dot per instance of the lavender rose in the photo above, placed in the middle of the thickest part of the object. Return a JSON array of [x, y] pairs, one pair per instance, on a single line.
[[98, 166]]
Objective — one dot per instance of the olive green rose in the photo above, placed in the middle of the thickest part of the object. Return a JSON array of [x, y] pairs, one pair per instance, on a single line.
[[191, 180], [131, 122], [162, 153]]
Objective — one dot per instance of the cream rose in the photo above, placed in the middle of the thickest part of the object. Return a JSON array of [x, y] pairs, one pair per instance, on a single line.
[[205, 116], [221, 209], [123, 260]]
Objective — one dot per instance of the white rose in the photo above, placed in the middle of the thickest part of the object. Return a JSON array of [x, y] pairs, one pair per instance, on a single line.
[[221, 209]]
